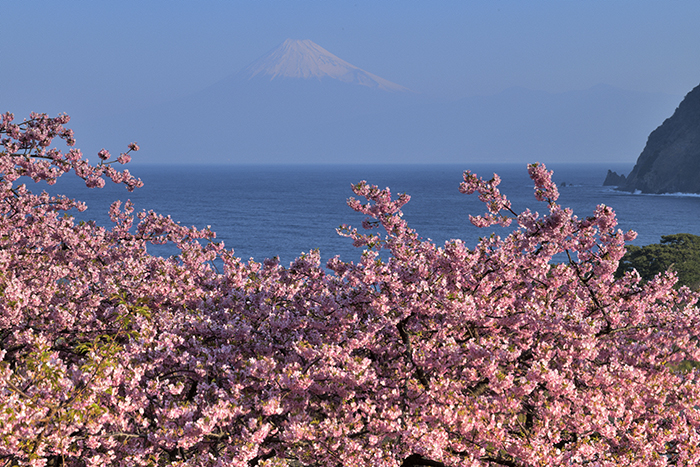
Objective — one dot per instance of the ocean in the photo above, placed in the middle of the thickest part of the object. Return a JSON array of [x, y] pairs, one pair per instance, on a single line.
[[283, 210]]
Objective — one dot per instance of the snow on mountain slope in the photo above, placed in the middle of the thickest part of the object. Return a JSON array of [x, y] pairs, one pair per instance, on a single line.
[[308, 60]]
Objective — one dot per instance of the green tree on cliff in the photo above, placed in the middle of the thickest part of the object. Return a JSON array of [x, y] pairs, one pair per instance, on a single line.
[[680, 252]]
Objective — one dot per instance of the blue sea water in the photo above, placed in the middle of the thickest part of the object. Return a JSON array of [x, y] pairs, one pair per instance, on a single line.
[[265, 211]]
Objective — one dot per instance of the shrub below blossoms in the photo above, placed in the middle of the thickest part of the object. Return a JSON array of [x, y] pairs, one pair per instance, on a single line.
[[438, 356]]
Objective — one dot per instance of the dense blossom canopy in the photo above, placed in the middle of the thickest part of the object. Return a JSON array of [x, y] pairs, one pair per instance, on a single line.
[[447, 355]]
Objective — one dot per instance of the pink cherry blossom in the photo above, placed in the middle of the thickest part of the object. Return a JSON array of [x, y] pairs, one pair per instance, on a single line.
[[437, 355]]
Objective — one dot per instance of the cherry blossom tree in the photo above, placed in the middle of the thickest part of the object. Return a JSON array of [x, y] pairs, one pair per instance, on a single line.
[[451, 355]]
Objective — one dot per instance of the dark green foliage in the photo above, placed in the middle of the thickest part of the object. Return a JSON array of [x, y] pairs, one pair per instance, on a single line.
[[679, 252]]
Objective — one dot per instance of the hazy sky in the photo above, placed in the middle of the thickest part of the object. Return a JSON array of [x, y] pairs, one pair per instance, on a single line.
[[105, 56]]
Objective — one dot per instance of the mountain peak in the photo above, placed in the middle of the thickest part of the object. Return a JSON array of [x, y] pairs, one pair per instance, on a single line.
[[304, 59]]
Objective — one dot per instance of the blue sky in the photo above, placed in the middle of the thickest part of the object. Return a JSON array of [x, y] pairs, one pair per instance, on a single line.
[[109, 56]]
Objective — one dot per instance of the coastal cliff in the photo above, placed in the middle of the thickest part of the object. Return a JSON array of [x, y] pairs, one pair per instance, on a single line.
[[670, 161]]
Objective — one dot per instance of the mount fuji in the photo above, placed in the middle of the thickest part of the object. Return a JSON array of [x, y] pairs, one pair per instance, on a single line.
[[304, 59], [301, 103], [291, 101]]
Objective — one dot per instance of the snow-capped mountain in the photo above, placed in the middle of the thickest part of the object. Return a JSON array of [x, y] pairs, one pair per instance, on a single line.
[[300, 103], [308, 60]]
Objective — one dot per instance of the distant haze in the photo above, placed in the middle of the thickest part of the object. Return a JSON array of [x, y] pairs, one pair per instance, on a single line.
[[301, 103], [356, 82]]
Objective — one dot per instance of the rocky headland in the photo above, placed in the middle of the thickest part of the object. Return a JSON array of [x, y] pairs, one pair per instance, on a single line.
[[614, 179], [670, 161]]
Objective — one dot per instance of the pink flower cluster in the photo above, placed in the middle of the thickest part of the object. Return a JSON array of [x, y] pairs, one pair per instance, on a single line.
[[25, 153], [437, 356]]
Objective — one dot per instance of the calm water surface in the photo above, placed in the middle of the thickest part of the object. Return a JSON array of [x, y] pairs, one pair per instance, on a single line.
[[266, 211]]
